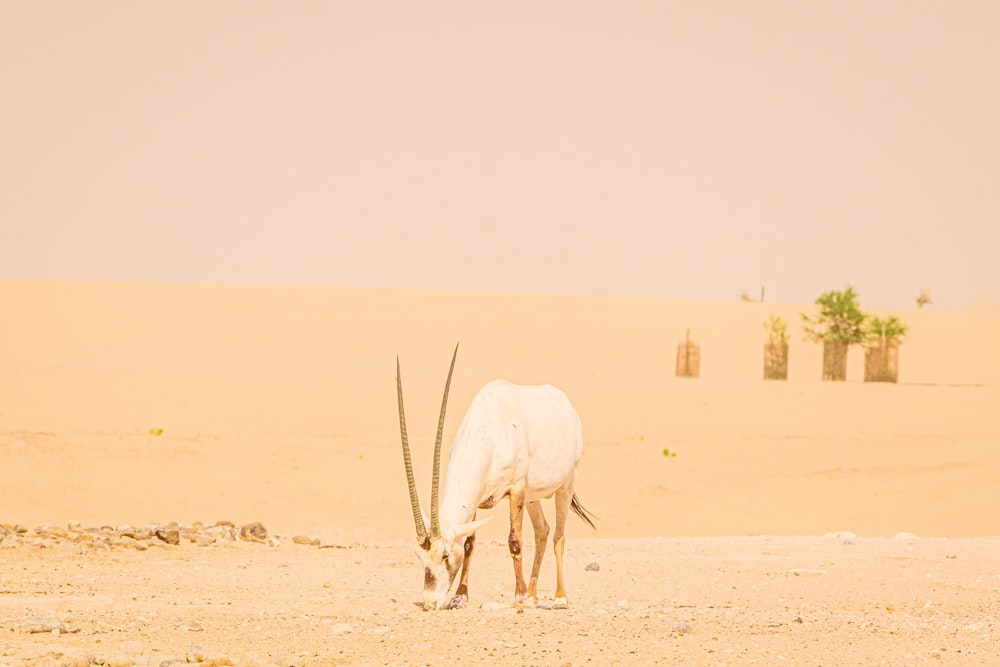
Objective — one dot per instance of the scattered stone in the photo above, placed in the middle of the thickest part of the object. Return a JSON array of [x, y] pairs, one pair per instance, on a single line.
[[806, 571], [951, 556], [253, 532], [127, 536], [592, 567], [36, 624], [169, 535], [305, 539], [193, 626], [195, 654], [682, 628]]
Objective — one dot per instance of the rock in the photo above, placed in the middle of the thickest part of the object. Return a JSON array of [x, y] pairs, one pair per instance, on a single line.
[[169, 535], [592, 567], [253, 532], [37, 624], [305, 539], [195, 654], [682, 628]]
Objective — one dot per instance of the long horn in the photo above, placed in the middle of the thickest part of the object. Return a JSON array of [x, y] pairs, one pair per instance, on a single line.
[[418, 519], [435, 525]]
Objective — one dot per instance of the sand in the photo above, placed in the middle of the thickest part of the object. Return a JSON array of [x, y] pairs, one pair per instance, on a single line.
[[136, 403]]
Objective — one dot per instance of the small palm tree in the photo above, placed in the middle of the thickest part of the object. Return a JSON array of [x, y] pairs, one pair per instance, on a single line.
[[883, 337], [924, 298]]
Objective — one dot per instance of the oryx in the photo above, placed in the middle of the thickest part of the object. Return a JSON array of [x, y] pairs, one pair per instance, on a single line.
[[519, 441]]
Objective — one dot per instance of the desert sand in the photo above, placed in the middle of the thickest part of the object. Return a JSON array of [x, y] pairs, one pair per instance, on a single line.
[[740, 521]]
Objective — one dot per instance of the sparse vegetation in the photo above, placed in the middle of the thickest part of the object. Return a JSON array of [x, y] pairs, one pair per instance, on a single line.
[[924, 298], [776, 349], [883, 337], [668, 453], [838, 318], [838, 324], [777, 330], [890, 328]]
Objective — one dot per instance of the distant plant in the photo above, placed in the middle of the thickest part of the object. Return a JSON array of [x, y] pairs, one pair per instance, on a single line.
[[924, 298], [777, 330], [890, 328], [669, 454], [838, 318], [745, 295], [776, 348], [838, 324], [882, 339], [156, 431]]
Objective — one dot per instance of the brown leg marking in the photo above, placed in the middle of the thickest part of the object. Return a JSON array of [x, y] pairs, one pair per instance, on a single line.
[[541, 530], [514, 544]]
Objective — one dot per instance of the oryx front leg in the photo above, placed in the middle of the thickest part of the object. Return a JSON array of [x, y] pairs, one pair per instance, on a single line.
[[462, 593], [514, 544], [541, 530]]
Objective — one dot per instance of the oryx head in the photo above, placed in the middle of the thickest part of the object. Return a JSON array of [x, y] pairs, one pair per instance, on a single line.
[[441, 551]]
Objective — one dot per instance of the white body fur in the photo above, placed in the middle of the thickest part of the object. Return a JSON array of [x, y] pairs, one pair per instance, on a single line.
[[523, 442]]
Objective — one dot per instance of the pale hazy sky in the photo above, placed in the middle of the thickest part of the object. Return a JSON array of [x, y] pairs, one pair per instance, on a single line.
[[676, 149]]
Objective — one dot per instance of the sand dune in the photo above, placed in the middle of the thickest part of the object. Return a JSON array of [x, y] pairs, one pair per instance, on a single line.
[[278, 404]]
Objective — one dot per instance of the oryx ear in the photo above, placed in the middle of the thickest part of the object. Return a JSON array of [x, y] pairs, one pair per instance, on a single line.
[[467, 529]]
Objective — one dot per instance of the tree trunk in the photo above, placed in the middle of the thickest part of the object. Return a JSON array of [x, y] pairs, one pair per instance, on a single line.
[[835, 360]]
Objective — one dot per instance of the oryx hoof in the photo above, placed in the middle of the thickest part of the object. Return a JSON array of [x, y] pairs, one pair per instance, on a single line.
[[560, 603], [458, 602]]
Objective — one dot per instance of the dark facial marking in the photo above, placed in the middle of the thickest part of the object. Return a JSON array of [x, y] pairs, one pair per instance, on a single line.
[[430, 581]]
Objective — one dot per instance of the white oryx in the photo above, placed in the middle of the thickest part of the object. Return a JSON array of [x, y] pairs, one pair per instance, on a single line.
[[523, 442]]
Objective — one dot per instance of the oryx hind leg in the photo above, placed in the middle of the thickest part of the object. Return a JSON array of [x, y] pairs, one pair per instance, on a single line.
[[564, 496], [541, 530]]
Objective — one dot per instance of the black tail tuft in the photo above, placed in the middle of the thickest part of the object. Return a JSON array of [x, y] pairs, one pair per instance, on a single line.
[[582, 512]]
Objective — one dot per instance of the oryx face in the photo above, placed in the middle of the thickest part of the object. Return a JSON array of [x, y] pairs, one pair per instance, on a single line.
[[441, 559]]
